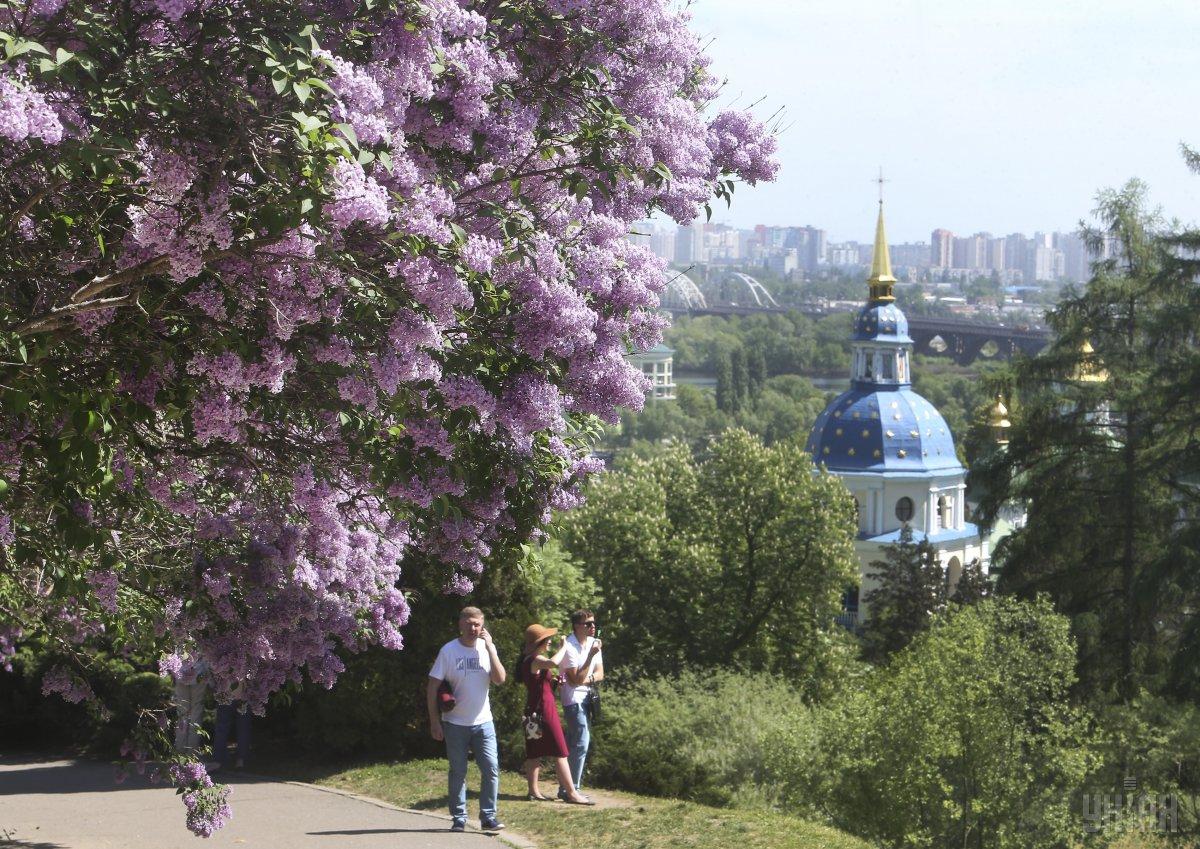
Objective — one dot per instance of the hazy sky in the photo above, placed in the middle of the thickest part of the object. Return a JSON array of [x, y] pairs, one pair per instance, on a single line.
[[1005, 116]]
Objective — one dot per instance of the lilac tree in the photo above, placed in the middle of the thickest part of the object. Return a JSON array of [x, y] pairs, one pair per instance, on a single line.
[[300, 296]]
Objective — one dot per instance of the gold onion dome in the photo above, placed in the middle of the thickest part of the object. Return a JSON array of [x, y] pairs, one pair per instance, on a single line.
[[1089, 370], [998, 422]]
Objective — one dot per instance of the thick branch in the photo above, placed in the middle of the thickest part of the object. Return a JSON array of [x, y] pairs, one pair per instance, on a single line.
[[85, 299]]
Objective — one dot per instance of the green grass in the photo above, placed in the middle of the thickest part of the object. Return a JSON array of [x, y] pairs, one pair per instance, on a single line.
[[633, 821]]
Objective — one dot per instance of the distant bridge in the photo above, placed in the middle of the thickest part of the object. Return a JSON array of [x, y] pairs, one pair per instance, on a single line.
[[962, 339]]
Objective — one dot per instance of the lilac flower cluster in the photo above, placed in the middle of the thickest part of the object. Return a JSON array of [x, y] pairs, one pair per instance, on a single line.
[[207, 804], [66, 684], [104, 583], [371, 359], [25, 114]]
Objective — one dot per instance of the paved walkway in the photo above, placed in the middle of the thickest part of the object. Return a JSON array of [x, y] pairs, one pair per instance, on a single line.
[[78, 805]]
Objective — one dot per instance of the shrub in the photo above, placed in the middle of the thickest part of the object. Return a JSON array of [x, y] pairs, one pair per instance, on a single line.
[[702, 736], [968, 738], [28, 718]]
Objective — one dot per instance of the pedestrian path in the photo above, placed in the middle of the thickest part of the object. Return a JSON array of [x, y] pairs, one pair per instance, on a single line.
[[62, 804]]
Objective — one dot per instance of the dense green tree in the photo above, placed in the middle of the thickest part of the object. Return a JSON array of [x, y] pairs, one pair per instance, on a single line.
[[786, 407], [756, 370], [967, 739], [738, 557], [973, 585], [727, 399], [740, 387], [1103, 453]]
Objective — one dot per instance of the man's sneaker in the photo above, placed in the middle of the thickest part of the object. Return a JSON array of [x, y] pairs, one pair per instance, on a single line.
[[491, 825], [458, 825]]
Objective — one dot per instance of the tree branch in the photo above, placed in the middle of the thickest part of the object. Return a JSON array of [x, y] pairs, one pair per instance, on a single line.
[[85, 299]]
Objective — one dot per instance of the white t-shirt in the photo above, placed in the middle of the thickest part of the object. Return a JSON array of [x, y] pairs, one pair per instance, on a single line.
[[469, 671], [573, 659]]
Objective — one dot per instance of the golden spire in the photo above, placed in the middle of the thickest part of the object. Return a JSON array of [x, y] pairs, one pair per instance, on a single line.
[[881, 279], [998, 422]]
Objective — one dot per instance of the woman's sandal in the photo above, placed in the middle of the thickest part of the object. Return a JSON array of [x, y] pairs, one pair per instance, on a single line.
[[586, 801], [537, 798]]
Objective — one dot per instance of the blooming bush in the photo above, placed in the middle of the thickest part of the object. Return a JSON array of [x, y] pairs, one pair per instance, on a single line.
[[301, 294]]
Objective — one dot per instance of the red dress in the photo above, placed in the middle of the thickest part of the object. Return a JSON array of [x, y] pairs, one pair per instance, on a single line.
[[540, 697]]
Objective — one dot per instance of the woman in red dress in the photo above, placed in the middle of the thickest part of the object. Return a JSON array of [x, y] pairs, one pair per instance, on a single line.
[[534, 669]]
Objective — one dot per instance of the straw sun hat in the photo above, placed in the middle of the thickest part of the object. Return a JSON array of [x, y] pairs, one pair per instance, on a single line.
[[535, 634]]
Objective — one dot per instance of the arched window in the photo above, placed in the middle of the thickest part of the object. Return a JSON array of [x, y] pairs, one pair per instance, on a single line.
[[945, 510], [904, 509], [953, 573]]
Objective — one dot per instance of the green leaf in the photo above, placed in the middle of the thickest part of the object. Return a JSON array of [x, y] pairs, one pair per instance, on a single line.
[[303, 91], [317, 82], [348, 131], [308, 123]]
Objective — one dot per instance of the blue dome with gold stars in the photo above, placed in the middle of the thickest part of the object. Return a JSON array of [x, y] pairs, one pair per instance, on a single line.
[[876, 430], [881, 322], [881, 426]]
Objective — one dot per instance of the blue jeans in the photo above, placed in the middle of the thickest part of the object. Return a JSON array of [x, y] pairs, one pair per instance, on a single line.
[[237, 716], [579, 737], [481, 738]]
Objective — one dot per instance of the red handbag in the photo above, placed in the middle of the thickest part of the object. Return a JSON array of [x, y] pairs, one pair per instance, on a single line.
[[445, 697]]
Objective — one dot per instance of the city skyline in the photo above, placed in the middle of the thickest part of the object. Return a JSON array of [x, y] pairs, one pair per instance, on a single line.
[[1006, 119], [947, 255]]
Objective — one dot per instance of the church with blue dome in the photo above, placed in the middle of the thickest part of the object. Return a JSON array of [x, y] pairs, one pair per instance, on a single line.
[[890, 447]]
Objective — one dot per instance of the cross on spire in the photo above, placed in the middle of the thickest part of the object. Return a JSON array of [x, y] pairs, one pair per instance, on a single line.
[[880, 181]]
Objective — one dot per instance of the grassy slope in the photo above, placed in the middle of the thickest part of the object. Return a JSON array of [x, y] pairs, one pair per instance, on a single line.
[[631, 822]]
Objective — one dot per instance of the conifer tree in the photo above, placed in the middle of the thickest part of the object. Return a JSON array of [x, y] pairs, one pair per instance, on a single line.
[[973, 585], [1103, 455], [911, 588], [726, 394], [756, 367], [741, 379]]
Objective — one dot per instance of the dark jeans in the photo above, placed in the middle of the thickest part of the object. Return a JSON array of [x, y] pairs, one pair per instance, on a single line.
[[237, 716]]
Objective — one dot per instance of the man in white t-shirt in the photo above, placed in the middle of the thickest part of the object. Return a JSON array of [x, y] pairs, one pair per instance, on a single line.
[[582, 667], [470, 666]]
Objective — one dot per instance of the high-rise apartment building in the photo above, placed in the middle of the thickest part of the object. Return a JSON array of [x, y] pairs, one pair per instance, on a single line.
[[689, 243], [995, 254], [910, 255], [941, 249]]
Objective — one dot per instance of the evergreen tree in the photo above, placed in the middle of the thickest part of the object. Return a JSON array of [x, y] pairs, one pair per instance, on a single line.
[[973, 585], [726, 392], [756, 367], [911, 589], [741, 379], [1103, 455]]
